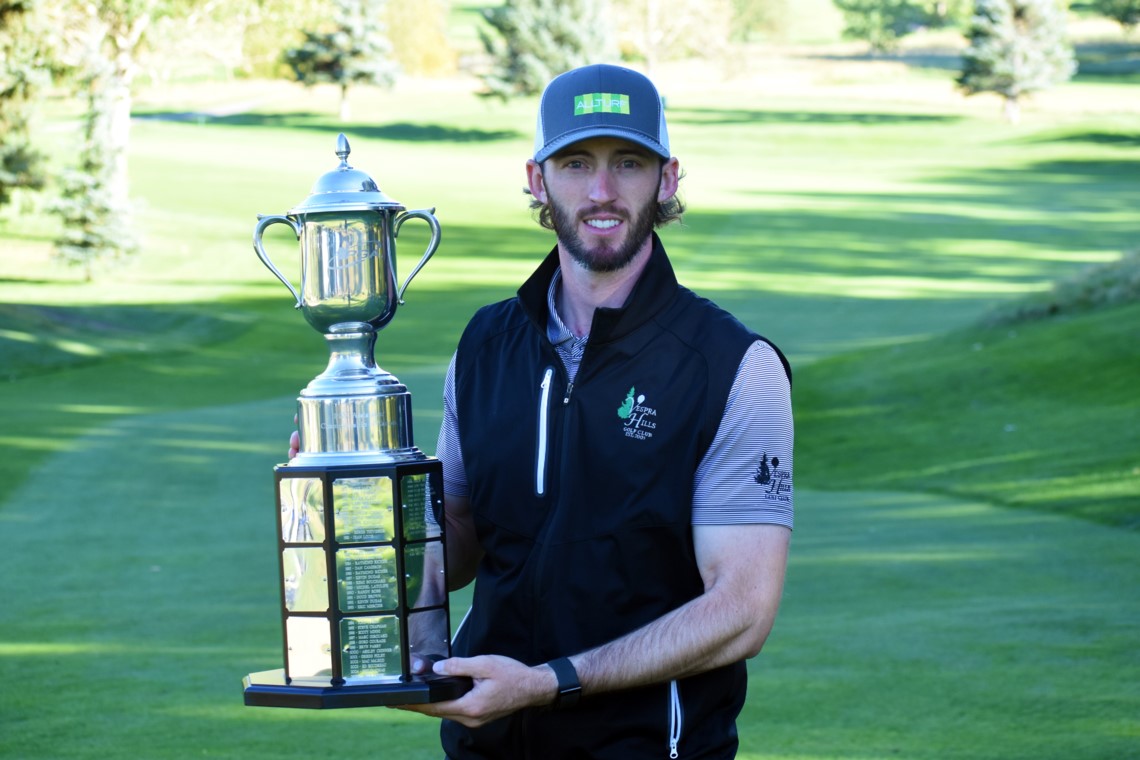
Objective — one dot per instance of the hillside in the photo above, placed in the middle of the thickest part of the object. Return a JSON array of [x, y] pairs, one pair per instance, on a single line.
[[1039, 413]]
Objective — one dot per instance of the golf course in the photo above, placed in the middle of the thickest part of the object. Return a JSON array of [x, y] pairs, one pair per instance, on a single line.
[[959, 298]]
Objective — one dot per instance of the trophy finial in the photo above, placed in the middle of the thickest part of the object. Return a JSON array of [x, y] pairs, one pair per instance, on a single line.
[[342, 150]]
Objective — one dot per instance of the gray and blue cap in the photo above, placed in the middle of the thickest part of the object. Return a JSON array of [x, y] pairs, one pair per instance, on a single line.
[[600, 101]]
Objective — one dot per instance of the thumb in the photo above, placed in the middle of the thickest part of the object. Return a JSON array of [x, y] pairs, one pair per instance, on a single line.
[[442, 668], [455, 666]]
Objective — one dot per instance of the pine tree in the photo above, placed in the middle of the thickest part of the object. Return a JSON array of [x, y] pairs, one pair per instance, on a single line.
[[881, 23], [22, 72], [355, 51], [1124, 12], [539, 39], [1016, 47], [96, 226]]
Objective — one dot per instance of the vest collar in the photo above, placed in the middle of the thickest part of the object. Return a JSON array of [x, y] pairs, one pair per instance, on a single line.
[[655, 290]]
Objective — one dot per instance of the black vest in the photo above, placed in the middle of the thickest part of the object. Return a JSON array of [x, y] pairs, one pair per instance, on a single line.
[[582, 501]]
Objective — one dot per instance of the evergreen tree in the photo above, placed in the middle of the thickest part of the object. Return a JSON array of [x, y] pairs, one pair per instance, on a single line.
[[356, 50], [95, 223], [539, 39], [1124, 12], [881, 23], [22, 72], [1016, 47]]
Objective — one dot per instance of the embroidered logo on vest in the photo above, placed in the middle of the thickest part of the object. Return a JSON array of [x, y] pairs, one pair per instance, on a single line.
[[640, 420]]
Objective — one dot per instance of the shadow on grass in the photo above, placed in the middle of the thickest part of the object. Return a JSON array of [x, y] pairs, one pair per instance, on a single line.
[[919, 58], [410, 132], [1121, 139], [40, 339], [398, 131], [752, 116], [1097, 61]]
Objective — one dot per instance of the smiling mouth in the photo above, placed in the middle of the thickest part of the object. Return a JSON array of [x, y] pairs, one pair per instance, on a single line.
[[603, 224]]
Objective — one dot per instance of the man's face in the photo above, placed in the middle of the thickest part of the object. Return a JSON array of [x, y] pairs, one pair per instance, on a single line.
[[603, 195]]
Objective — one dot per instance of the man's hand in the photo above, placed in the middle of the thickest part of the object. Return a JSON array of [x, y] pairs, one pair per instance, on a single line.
[[502, 686], [294, 440]]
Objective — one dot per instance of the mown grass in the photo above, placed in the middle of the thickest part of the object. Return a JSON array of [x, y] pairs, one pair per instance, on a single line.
[[1039, 414], [869, 225]]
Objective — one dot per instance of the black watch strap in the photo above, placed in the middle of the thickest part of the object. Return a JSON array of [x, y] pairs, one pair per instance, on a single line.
[[568, 687]]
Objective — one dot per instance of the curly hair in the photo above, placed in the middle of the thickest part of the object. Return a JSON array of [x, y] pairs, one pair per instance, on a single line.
[[667, 211]]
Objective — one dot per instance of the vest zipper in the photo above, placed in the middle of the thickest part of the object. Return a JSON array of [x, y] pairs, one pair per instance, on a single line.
[[675, 718], [543, 419]]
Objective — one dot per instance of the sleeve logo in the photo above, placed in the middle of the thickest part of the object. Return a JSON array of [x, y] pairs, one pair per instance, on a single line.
[[778, 480]]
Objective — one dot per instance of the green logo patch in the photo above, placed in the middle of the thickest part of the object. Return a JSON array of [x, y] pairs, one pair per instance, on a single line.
[[600, 102], [626, 409]]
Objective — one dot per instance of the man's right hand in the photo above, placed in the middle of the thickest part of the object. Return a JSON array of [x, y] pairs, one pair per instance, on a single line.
[[294, 440]]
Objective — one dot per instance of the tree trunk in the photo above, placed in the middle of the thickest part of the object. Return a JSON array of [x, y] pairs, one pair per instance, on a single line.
[[651, 37], [1011, 108], [345, 107], [119, 136], [125, 27]]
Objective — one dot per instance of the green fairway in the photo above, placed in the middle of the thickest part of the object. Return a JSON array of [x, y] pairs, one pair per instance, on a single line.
[[912, 626], [962, 573], [925, 627]]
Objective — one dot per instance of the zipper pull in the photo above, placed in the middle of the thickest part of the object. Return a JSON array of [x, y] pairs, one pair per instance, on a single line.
[[569, 390], [675, 719]]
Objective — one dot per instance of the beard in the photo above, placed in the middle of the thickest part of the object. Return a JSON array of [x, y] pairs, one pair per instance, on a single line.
[[603, 257]]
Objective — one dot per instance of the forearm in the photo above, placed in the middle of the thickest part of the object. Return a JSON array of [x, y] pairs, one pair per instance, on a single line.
[[699, 636], [727, 623], [463, 550]]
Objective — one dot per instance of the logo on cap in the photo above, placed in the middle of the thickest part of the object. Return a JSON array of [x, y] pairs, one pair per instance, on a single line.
[[600, 102]]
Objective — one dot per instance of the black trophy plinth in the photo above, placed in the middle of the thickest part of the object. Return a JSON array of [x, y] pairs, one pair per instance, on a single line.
[[363, 587], [268, 689]]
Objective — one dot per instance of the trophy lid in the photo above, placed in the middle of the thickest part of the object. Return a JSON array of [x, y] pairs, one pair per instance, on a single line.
[[345, 189]]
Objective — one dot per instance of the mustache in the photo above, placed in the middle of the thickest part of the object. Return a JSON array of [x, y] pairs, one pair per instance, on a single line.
[[612, 210]]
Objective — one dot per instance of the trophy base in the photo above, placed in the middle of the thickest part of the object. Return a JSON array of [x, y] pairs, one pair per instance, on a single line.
[[269, 689]]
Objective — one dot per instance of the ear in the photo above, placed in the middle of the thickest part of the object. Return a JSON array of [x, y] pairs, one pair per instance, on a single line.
[[670, 180], [534, 180]]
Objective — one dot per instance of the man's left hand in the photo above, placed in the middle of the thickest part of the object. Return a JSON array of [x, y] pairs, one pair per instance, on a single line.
[[502, 686]]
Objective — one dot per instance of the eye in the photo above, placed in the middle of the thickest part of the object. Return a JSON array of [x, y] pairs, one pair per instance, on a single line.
[[632, 162]]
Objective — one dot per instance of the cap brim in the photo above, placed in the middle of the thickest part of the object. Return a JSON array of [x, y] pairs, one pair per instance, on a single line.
[[586, 133]]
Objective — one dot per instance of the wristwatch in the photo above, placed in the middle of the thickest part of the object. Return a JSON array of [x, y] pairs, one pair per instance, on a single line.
[[568, 687]]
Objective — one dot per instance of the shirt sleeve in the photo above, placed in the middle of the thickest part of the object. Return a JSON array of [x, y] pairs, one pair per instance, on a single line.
[[447, 448], [746, 475]]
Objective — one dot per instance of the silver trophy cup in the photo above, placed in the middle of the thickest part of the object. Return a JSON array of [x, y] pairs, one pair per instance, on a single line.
[[363, 577]]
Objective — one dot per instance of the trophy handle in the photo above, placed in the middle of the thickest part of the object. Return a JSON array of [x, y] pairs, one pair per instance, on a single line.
[[428, 216], [264, 220]]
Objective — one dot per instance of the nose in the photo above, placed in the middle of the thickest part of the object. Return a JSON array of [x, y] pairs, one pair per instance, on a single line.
[[602, 188]]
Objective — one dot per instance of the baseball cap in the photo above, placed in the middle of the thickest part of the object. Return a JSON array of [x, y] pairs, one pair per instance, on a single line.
[[600, 101]]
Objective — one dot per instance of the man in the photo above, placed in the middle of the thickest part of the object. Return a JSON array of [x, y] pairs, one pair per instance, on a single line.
[[617, 468]]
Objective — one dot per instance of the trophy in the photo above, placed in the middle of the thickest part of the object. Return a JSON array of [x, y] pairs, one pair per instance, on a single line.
[[361, 545]]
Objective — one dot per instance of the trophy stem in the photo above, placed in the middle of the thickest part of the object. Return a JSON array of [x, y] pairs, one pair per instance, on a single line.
[[354, 412], [352, 355]]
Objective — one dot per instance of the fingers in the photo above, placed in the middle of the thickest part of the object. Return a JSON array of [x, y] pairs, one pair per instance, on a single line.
[[478, 706], [294, 444]]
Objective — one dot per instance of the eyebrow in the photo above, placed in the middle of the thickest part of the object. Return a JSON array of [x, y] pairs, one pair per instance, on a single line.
[[634, 151]]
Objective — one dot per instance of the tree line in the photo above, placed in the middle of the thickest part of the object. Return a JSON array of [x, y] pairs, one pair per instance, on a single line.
[[98, 50]]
